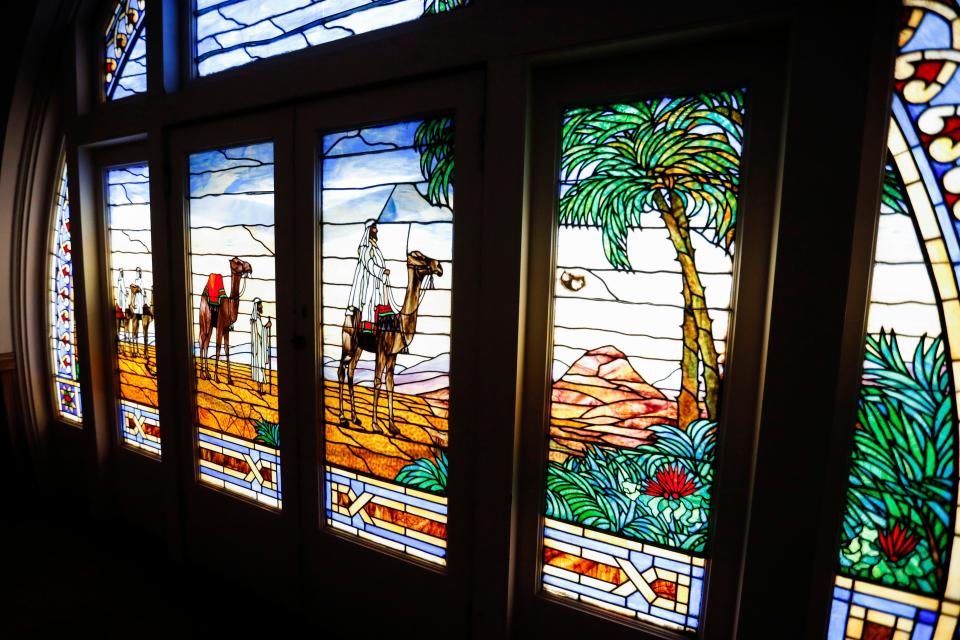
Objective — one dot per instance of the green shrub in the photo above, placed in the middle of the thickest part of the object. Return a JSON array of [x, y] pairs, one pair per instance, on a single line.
[[658, 492], [426, 474], [268, 433], [902, 468]]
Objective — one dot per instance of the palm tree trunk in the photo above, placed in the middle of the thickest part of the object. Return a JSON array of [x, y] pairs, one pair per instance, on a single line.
[[699, 338]]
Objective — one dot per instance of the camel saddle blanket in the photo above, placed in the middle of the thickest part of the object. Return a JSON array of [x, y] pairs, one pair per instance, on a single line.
[[386, 321], [213, 291]]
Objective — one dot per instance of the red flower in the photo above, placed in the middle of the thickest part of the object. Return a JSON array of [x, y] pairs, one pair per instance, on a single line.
[[897, 543], [671, 483]]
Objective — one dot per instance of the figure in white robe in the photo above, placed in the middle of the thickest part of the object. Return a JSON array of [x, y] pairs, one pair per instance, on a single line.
[[138, 294], [369, 277], [121, 293], [259, 346]]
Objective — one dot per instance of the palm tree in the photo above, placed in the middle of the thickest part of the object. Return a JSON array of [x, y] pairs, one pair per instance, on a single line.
[[678, 158], [433, 139]]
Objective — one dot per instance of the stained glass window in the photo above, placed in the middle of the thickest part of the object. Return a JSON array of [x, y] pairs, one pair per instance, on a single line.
[[898, 542], [131, 284], [233, 295], [647, 218], [125, 51], [386, 219], [63, 325], [231, 33]]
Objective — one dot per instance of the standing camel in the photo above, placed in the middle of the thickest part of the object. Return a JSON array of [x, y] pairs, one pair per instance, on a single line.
[[386, 345], [226, 316]]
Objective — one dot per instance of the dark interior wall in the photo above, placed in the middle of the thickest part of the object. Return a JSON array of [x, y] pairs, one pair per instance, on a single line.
[[13, 35], [17, 17]]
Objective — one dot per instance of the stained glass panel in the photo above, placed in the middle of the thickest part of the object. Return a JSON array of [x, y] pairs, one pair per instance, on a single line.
[[898, 543], [131, 279], [63, 324], [386, 219], [648, 196], [125, 51], [233, 295], [231, 33]]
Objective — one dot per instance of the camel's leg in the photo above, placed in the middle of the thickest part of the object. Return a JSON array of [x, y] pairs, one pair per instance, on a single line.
[[216, 361], [377, 381], [136, 336], [204, 351], [146, 351], [226, 355], [391, 363], [355, 359], [341, 376]]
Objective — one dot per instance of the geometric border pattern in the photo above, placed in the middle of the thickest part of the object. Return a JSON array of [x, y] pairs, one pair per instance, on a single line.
[[863, 610], [389, 514], [140, 427], [246, 468], [623, 576]]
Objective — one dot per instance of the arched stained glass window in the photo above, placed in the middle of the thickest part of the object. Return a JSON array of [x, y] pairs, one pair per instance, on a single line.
[[648, 212], [63, 328], [125, 51], [230, 33], [898, 543]]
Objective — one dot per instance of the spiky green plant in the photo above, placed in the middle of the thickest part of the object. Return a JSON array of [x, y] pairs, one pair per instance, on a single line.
[[658, 493], [433, 139], [268, 433], [892, 193], [902, 468], [676, 158], [426, 474]]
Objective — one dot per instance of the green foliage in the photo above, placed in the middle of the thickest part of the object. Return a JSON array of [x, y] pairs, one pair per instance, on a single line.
[[625, 160], [431, 7], [433, 139], [903, 465], [268, 433], [612, 490], [893, 194], [426, 474]]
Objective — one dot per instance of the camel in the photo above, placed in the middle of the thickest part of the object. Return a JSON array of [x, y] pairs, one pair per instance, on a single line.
[[226, 317], [387, 344]]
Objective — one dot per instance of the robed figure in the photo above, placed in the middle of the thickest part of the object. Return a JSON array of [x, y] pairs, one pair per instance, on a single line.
[[138, 294], [121, 295], [259, 346], [366, 291]]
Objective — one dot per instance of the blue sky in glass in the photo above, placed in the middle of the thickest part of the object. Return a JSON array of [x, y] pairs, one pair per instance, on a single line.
[[230, 34], [125, 71], [231, 214]]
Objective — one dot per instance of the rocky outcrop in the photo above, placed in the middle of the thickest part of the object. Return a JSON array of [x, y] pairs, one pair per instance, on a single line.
[[602, 400]]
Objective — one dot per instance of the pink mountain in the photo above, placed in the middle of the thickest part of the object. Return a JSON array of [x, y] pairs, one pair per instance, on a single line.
[[601, 399]]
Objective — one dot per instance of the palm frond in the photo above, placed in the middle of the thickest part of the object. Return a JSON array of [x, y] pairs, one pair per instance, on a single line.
[[617, 160], [433, 139]]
